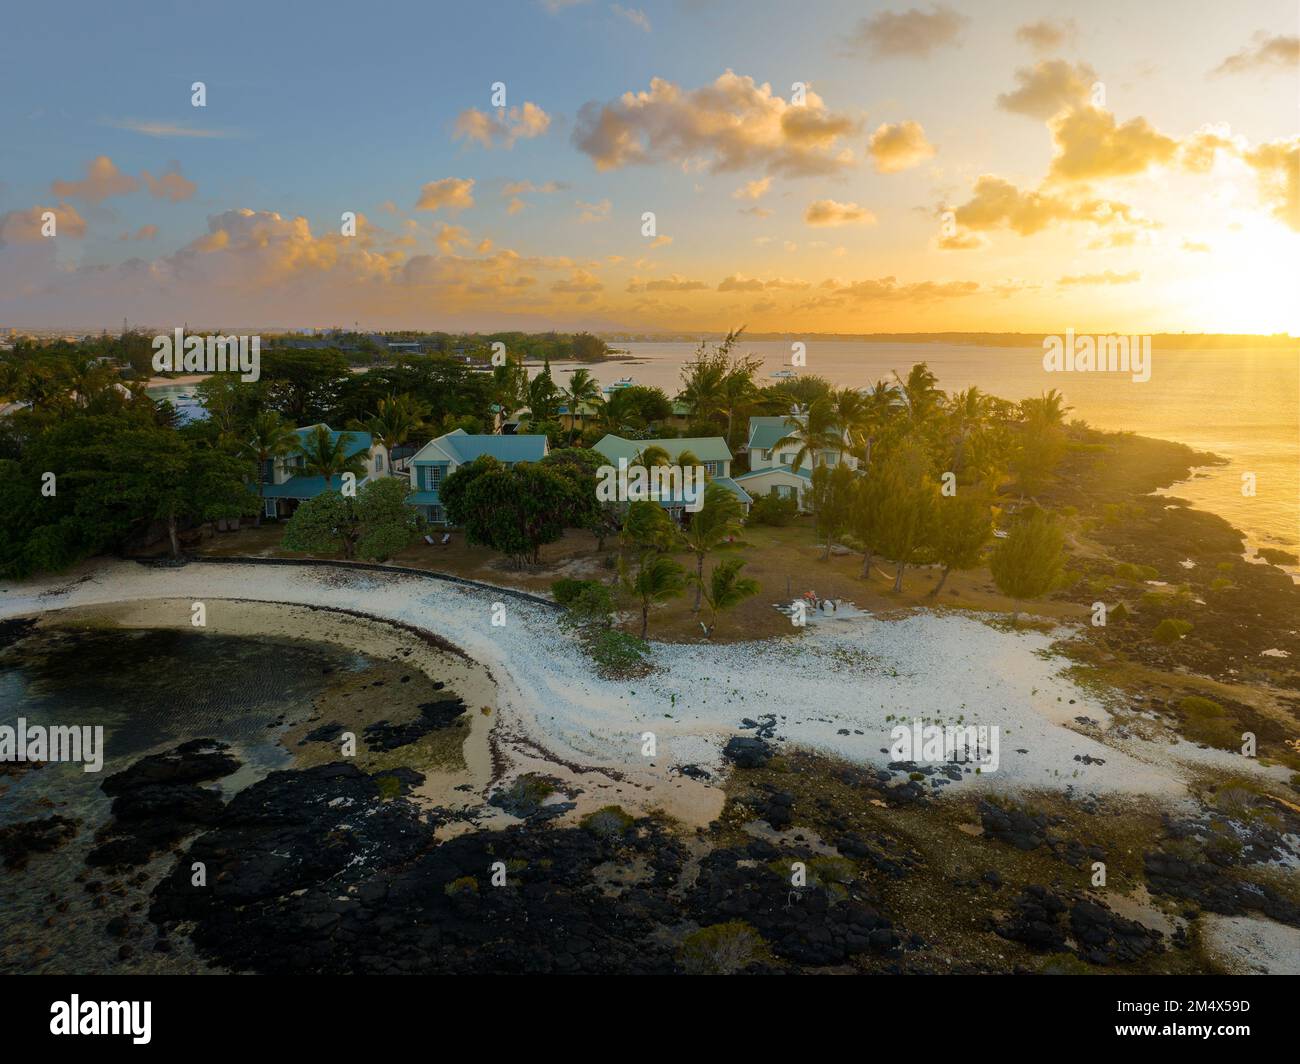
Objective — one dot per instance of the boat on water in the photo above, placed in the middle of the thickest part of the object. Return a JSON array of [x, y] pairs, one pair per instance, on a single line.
[[785, 374], [622, 382]]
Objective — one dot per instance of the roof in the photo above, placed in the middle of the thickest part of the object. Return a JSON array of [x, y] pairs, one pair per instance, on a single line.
[[802, 471], [423, 498], [464, 447], [300, 488], [678, 498], [356, 443], [705, 448], [765, 431]]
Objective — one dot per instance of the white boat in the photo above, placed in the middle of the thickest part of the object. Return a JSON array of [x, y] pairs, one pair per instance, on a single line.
[[622, 382], [785, 374]]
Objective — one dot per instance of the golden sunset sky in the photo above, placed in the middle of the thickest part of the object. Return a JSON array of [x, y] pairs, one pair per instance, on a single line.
[[1110, 167]]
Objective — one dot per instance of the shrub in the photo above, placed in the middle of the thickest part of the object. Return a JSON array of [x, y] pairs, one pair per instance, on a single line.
[[607, 823], [1205, 721], [1119, 613], [618, 653], [464, 885], [1220, 583], [1170, 630], [1278, 557], [721, 949], [773, 510], [1135, 573], [566, 590]]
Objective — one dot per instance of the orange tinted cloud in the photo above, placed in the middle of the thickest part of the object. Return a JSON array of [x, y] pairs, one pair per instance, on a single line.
[[899, 147], [831, 212], [730, 124], [103, 179], [453, 193]]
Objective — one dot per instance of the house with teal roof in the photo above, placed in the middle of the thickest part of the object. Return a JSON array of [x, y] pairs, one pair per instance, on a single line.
[[771, 467], [286, 483], [711, 451], [439, 458]]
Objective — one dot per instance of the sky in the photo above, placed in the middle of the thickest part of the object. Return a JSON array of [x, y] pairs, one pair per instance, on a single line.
[[690, 165]]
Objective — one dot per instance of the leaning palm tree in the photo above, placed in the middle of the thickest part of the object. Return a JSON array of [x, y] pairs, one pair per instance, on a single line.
[[269, 437], [967, 414], [737, 395], [326, 455], [850, 415], [813, 432], [716, 522], [726, 589], [657, 579]]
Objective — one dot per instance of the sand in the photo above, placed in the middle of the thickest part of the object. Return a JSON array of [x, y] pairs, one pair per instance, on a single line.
[[837, 688]]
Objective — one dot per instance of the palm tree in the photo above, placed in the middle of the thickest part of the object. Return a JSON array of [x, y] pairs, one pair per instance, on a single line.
[[269, 437], [850, 408], [814, 432], [736, 396], [396, 420], [878, 410], [918, 395], [583, 390], [326, 455], [717, 521], [726, 590], [967, 413], [658, 578]]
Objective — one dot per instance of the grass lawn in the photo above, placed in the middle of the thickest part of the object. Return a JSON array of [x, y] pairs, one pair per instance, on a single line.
[[785, 561]]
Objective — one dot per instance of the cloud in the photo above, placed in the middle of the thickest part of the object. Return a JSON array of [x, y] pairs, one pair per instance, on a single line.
[[1277, 169], [450, 237], [1090, 146], [1048, 88], [579, 281], [145, 232], [1266, 54], [831, 212], [454, 193], [888, 290], [1045, 35], [1106, 277], [753, 190], [593, 212], [1196, 246], [103, 180], [673, 283], [731, 124], [757, 212], [899, 147], [961, 242], [912, 33], [171, 185], [740, 283], [996, 204], [24, 227], [167, 129], [634, 15], [502, 128]]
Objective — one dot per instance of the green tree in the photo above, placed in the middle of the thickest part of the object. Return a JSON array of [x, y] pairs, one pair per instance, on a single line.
[[515, 511], [813, 433], [374, 524], [726, 590], [396, 419], [269, 437], [717, 521], [832, 500], [963, 523], [907, 500], [326, 455], [655, 579], [1029, 562]]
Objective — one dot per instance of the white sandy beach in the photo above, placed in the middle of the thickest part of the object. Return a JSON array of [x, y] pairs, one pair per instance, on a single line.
[[838, 687]]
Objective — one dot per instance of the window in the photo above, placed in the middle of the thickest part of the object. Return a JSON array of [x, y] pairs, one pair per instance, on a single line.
[[379, 462], [431, 477], [436, 515], [766, 456], [270, 508], [711, 468]]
